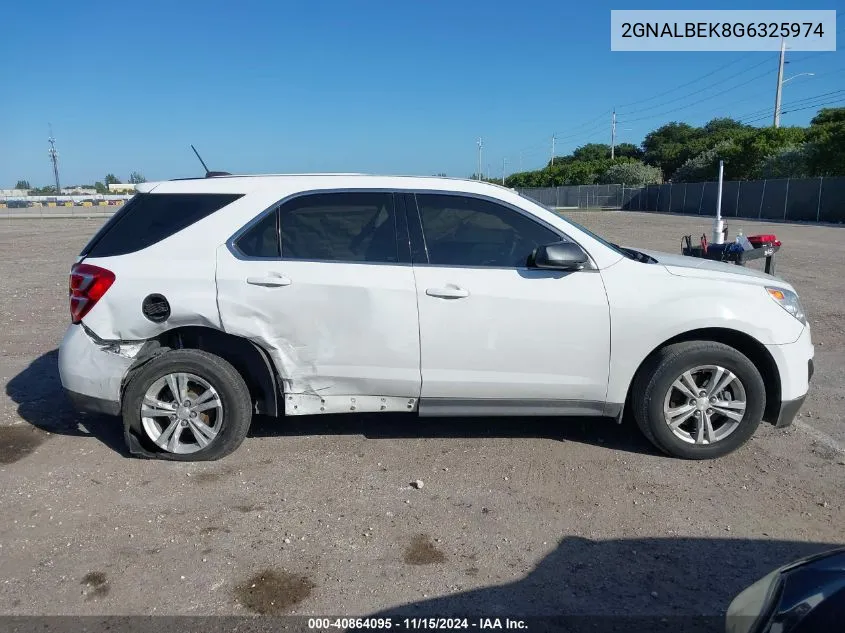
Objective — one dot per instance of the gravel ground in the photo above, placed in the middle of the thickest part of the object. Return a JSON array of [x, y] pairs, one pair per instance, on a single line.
[[318, 516]]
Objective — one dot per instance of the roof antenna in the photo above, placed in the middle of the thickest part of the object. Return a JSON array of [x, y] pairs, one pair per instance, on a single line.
[[209, 174]]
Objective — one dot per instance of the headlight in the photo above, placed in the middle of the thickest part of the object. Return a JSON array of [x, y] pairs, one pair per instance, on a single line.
[[788, 300], [752, 606]]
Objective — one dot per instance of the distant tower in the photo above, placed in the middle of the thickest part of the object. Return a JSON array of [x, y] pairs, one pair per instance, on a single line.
[[54, 158]]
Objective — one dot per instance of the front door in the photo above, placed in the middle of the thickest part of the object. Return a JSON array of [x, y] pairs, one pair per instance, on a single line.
[[497, 336], [319, 284]]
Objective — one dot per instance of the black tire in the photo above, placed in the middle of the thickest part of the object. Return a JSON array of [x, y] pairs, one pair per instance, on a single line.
[[230, 386], [654, 380]]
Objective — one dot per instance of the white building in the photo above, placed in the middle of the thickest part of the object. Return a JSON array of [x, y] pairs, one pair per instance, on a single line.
[[78, 191], [121, 186]]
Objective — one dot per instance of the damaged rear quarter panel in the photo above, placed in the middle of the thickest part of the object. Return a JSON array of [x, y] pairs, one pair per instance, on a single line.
[[186, 281], [180, 267]]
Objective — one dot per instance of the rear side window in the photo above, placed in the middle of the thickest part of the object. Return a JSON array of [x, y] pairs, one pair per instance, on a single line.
[[262, 239], [149, 218], [347, 227]]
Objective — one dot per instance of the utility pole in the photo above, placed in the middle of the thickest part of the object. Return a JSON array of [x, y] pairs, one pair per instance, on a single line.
[[504, 163], [54, 158], [780, 81], [480, 145], [613, 135], [552, 161]]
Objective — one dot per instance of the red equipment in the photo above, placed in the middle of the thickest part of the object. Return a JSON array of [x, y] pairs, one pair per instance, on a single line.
[[759, 240]]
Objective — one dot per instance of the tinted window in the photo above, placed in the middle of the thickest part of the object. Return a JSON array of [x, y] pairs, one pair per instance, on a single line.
[[262, 240], [149, 218], [464, 231], [349, 227]]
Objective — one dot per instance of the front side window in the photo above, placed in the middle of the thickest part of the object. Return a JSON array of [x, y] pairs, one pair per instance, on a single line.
[[348, 227], [465, 231]]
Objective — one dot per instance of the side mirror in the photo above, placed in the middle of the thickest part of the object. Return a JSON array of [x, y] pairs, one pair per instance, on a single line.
[[560, 256]]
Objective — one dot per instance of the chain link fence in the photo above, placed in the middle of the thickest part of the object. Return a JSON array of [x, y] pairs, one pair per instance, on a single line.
[[578, 196], [790, 199]]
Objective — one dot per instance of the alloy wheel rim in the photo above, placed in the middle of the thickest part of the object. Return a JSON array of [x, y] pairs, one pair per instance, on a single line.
[[705, 405], [181, 413]]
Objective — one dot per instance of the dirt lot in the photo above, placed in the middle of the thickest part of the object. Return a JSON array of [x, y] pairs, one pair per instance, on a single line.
[[316, 516]]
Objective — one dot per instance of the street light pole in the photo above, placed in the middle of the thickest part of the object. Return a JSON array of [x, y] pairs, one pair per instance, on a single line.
[[480, 145], [613, 135], [780, 82]]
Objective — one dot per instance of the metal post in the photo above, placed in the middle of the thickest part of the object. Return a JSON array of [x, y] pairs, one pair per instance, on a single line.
[[786, 198], [684, 203], [657, 202], [670, 197], [738, 189], [718, 225], [819, 206], [701, 199], [780, 82], [762, 198]]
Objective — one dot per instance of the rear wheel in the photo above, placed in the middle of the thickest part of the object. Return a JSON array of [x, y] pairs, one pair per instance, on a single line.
[[699, 399], [188, 405]]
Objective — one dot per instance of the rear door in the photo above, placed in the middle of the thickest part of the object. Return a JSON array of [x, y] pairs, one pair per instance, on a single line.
[[324, 285], [498, 336]]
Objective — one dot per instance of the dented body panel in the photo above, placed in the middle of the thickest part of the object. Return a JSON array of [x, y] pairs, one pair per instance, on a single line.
[[337, 329], [91, 368]]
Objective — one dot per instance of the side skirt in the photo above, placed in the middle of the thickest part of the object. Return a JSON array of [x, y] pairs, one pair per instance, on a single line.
[[440, 407]]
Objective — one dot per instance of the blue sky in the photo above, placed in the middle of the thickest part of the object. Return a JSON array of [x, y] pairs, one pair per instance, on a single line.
[[373, 86]]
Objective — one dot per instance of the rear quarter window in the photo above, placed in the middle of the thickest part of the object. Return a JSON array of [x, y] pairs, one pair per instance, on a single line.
[[149, 218]]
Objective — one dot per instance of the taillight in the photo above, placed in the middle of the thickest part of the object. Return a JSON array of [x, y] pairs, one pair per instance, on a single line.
[[87, 285]]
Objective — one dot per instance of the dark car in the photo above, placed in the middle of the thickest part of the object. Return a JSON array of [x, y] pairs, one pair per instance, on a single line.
[[806, 596]]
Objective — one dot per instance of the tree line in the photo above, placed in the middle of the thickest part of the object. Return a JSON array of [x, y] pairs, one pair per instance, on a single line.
[[679, 152], [102, 187]]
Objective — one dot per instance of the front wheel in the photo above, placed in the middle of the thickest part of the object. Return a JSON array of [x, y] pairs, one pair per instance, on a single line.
[[699, 399], [187, 405]]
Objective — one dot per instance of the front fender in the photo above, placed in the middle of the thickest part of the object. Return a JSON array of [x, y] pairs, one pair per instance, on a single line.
[[649, 306]]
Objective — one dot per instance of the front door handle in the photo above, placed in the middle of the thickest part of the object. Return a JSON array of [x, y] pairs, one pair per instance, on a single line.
[[449, 292], [272, 281]]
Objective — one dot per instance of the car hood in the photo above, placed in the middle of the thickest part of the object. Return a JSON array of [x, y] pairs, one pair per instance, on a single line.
[[685, 266]]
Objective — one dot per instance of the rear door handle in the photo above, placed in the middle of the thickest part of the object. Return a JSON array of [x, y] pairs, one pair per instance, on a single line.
[[449, 292], [272, 281]]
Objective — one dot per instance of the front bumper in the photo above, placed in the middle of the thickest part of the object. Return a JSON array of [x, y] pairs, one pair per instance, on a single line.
[[81, 402], [91, 375], [789, 408]]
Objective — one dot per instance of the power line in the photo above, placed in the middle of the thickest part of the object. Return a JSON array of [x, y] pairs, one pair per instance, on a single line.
[[769, 111], [806, 107], [689, 83], [695, 103], [571, 128], [699, 91]]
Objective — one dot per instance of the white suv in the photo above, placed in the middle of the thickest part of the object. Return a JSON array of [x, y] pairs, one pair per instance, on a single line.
[[205, 301]]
